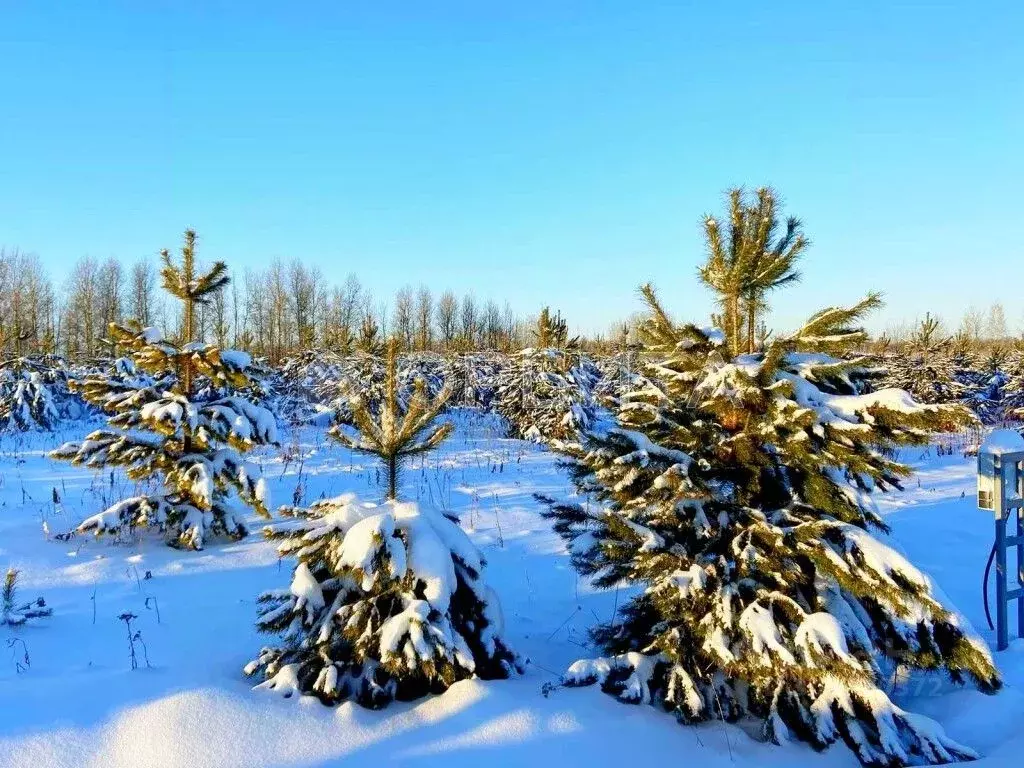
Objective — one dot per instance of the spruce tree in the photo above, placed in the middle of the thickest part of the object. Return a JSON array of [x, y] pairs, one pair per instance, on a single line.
[[735, 491], [387, 429], [187, 423], [386, 602]]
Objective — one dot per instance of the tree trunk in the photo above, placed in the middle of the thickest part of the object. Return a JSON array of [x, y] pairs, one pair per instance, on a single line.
[[736, 323], [751, 319], [392, 466]]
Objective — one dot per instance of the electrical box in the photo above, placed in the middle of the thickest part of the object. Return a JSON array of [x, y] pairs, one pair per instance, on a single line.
[[998, 475], [1001, 490]]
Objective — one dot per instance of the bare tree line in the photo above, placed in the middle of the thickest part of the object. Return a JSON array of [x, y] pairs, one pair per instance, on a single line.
[[272, 312], [288, 308], [976, 327]]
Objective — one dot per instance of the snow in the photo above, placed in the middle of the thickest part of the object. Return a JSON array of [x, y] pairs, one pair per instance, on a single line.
[[1001, 442], [79, 704], [236, 358], [307, 591]]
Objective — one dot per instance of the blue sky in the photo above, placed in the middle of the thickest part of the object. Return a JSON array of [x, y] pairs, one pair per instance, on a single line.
[[545, 152]]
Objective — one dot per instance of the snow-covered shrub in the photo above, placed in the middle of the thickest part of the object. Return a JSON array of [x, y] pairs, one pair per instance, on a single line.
[[930, 375], [736, 493], [618, 375], [474, 378], [386, 602]]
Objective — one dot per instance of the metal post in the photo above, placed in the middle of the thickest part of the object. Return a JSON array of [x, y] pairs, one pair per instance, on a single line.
[[1002, 627], [999, 500], [1020, 568]]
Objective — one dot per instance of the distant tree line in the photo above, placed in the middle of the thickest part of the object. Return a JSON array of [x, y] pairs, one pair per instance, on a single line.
[[273, 312], [289, 307]]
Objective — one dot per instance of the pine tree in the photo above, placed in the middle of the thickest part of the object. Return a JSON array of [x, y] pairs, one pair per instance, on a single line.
[[1013, 388], [736, 493], [29, 394], [547, 395], [187, 423], [748, 261], [987, 396], [928, 367], [369, 335], [552, 331], [13, 613], [389, 431], [386, 602]]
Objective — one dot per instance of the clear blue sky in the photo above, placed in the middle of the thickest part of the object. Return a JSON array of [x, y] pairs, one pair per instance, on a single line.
[[545, 152]]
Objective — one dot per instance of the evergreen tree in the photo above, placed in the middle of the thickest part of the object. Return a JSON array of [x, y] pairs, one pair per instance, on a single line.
[[386, 602], [29, 393], [736, 493], [749, 259], [187, 422], [13, 613], [928, 367], [987, 387], [389, 431], [547, 395], [368, 341], [552, 331], [1013, 388]]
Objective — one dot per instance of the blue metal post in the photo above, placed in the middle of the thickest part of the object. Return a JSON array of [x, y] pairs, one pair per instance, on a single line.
[[1020, 571], [1002, 627]]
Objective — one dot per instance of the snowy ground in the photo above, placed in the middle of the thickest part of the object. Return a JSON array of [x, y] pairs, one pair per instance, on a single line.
[[80, 703]]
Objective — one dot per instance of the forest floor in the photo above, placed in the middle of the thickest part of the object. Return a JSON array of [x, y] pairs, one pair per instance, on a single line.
[[78, 702]]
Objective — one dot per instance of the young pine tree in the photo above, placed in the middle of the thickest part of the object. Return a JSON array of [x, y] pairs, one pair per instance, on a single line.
[[547, 395], [14, 613], [927, 367], [186, 424], [29, 394], [1013, 389], [390, 432], [386, 602], [747, 258], [552, 331], [735, 491]]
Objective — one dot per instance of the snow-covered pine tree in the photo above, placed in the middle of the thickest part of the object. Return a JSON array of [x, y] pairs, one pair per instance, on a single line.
[[1013, 388], [735, 491], [388, 429], [618, 371], [387, 602], [28, 397], [14, 613], [186, 424], [987, 396], [547, 395], [926, 367]]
